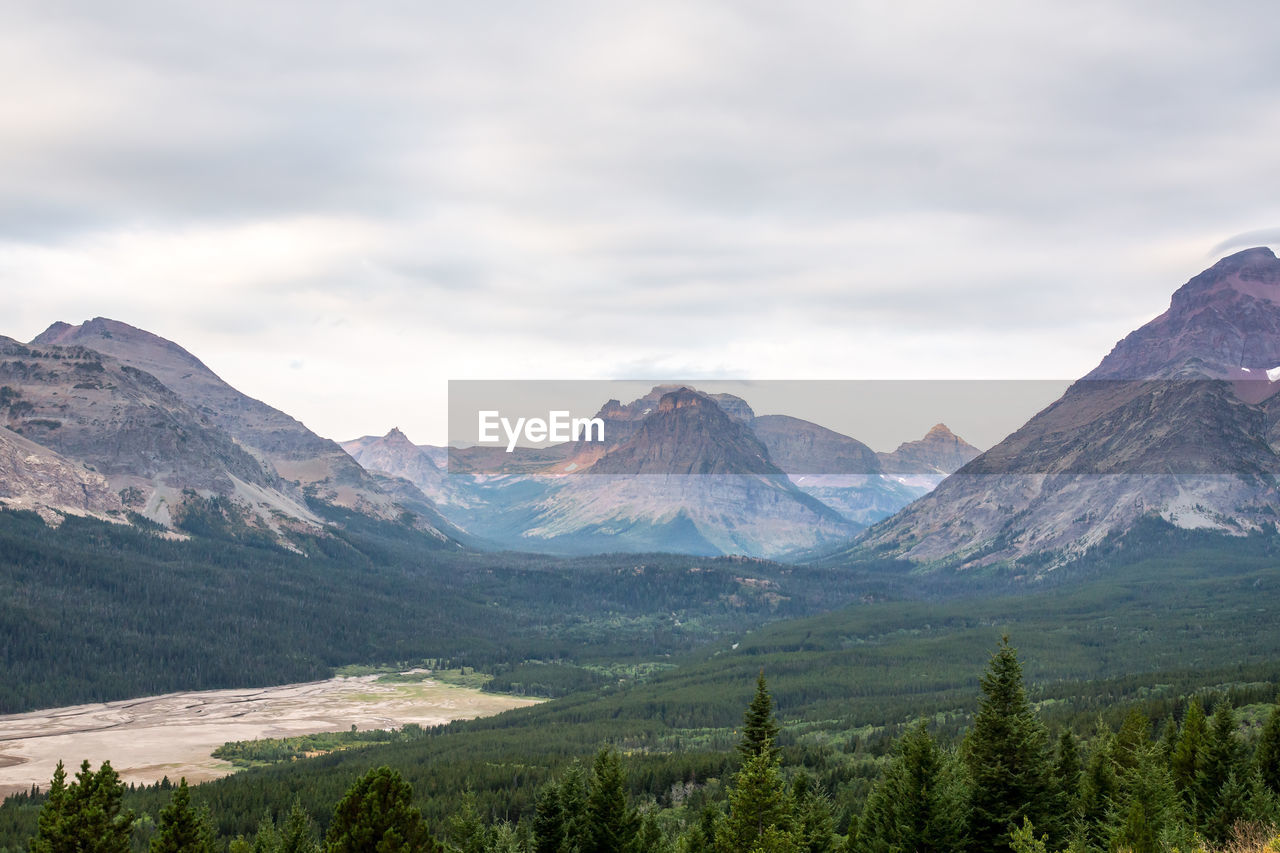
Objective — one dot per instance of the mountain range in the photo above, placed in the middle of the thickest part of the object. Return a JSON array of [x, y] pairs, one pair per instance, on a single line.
[[680, 470], [1180, 421], [111, 421]]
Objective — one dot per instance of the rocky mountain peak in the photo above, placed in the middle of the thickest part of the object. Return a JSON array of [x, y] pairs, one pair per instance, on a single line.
[[95, 334], [1222, 321], [1253, 272], [940, 452], [688, 433], [397, 438], [682, 398]]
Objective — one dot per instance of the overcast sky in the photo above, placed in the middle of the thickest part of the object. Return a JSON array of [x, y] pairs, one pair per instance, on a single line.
[[340, 206]]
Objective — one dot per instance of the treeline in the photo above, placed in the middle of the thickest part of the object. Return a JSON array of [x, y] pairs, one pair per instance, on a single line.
[[249, 753], [1005, 786]]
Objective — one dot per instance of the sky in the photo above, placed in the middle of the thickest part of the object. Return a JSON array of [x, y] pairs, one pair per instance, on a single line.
[[340, 207]]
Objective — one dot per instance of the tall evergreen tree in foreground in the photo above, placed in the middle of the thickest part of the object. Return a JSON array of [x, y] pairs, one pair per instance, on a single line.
[[377, 815], [918, 804], [1007, 758], [611, 825], [1188, 759], [548, 821], [760, 809], [182, 829], [1267, 758], [85, 816]]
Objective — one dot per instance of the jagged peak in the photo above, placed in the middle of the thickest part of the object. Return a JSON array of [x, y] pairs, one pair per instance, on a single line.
[[396, 436], [684, 397]]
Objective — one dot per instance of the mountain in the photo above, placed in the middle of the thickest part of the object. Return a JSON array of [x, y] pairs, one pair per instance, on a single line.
[[688, 433], [680, 470], [691, 478], [840, 471], [166, 433], [125, 425], [940, 452], [1179, 421], [393, 454], [802, 448]]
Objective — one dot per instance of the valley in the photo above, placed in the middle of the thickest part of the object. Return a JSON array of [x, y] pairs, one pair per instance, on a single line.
[[1119, 552]]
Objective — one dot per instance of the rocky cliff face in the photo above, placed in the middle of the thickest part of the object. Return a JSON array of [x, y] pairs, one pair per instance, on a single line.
[[124, 424], [36, 478], [1160, 427]]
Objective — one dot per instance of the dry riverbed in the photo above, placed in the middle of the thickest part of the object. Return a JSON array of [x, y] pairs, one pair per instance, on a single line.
[[173, 735]]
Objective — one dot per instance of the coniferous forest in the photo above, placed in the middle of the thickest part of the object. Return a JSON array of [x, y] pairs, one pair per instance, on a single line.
[[1138, 713], [1192, 781]]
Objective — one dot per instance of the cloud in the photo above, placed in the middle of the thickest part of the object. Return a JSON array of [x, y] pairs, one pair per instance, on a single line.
[[400, 194], [1249, 239]]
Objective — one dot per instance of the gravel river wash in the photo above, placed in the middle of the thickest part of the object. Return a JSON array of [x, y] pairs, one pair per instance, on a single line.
[[174, 735]]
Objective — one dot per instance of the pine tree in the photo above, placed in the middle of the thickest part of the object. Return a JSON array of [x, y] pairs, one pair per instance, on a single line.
[[299, 833], [377, 814], [1023, 839], [1262, 805], [815, 827], [1132, 739], [467, 833], [1221, 762], [504, 837], [85, 816], [917, 803], [1007, 758], [759, 728], [52, 833], [181, 829], [1099, 788], [267, 838], [548, 821], [1186, 760], [1067, 774], [1230, 806], [573, 803], [1267, 758], [611, 825], [1146, 805], [1169, 741], [759, 809]]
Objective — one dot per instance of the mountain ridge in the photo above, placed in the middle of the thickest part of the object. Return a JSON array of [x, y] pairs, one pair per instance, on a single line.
[[1159, 428]]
